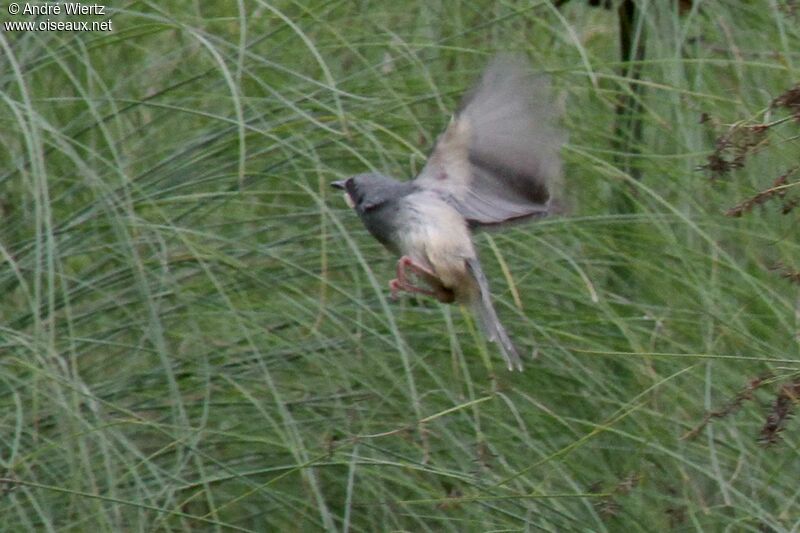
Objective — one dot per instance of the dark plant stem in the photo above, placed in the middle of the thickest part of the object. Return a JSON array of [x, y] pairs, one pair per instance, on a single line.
[[627, 126]]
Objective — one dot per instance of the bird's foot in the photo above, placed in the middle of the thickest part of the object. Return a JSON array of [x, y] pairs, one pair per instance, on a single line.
[[404, 265], [397, 285]]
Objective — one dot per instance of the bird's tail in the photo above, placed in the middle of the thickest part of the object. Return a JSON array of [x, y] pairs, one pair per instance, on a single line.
[[482, 306]]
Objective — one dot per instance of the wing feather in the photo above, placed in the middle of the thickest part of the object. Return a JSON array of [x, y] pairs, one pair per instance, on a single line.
[[498, 160]]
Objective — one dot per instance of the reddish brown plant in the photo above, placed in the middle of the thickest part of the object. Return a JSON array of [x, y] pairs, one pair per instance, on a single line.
[[790, 100], [730, 407], [732, 149], [780, 412], [786, 272], [777, 190]]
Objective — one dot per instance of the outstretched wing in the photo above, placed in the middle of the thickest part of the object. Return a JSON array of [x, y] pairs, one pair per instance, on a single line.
[[498, 160]]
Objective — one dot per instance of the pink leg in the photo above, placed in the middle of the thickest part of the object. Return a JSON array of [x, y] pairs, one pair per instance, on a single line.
[[396, 286], [406, 262], [402, 284]]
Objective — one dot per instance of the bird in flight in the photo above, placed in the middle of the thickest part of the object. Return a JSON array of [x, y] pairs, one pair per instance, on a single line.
[[497, 162]]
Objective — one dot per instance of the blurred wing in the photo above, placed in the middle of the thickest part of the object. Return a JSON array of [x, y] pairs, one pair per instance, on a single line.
[[498, 160]]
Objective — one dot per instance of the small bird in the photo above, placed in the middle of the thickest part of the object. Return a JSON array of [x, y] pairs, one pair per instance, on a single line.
[[497, 162]]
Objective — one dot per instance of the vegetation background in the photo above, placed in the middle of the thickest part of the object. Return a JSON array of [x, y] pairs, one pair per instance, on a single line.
[[195, 332]]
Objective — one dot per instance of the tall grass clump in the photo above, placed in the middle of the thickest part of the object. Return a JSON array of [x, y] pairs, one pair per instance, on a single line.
[[195, 332]]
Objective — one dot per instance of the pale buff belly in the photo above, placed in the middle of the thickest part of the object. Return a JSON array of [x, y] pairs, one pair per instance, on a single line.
[[437, 237]]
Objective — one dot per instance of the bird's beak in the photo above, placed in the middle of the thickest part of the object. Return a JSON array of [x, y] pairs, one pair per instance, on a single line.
[[338, 184]]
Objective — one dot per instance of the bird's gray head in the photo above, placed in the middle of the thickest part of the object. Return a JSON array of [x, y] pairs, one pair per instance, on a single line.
[[366, 191]]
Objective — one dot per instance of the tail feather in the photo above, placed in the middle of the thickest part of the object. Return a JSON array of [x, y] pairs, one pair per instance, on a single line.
[[482, 306]]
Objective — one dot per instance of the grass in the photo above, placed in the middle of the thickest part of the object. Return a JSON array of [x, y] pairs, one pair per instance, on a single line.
[[196, 332]]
